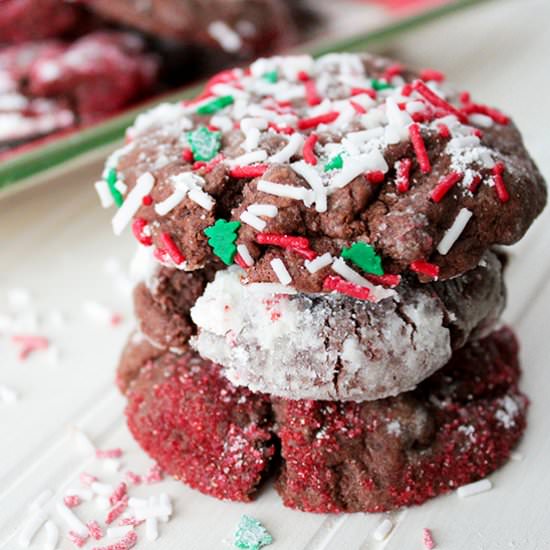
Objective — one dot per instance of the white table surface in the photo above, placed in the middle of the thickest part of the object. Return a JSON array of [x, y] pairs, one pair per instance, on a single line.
[[56, 241]]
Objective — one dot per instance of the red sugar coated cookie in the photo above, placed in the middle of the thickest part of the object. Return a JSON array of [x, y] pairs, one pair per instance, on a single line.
[[457, 427]]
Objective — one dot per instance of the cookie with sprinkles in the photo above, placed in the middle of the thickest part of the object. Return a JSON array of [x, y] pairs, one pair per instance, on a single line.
[[332, 346], [456, 427], [314, 157]]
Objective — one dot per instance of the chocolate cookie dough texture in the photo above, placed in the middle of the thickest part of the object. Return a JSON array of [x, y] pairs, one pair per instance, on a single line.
[[319, 236]]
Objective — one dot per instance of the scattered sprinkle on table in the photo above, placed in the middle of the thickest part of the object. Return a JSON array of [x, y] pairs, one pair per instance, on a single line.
[[481, 486], [251, 534]]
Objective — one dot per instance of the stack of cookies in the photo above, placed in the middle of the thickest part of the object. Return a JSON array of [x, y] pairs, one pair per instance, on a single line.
[[319, 288]]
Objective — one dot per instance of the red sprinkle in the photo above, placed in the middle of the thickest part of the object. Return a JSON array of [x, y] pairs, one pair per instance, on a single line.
[[76, 539], [240, 261], [494, 114], [419, 148], [428, 539], [375, 177], [129, 541], [281, 129], [134, 478], [407, 90], [154, 475], [464, 97], [432, 74], [87, 479], [358, 108], [369, 91], [392, 70], [161, 255], [71, 501], [425, 268], [117, 510], [312, 97], [474, 184], [147, 200], [402, 181], [299, 245], [119, 493], [254, 171], [29, 344], [187, 155], [443, 131], [108, 453], [388, 279], [138, 229], [308, 149], [94, 529], [477, 132], [445, 185], [313, 122], [172, 249], [437, 101], [500, 186], [333, 282], [198, 165], [303, 76]]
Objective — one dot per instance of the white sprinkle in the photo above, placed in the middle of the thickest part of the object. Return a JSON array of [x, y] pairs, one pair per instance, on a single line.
[[253, 221], [287, 191], [72, 521], [268, 210], [114, 532], [169, 203], [226, 89], [52, 535], [365, 135], [289, 150], [480, 120], [111, 465], [454, 232], [165, 501], [102, 489], [281, 271], [395, 116], [224, 123], [19, 298], [248, 158], [105, 197], [145, 512], [518, 457], [132, 202], [245, 255], [82, 442], [383, 530], [271, 288], [40, 500], [121, 187], [227, 38], [481, 486], [313, 179], [30, 527], [97, 312], [318, 263], [201, 198], [134, 502], [354, 167], [8, 396], [343, 269], [249, 123], [151, 529], [102, 502]]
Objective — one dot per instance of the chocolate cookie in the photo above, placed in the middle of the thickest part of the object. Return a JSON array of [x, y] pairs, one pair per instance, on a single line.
[[330, 346], [313, 162], [198, 427], [458, 426]]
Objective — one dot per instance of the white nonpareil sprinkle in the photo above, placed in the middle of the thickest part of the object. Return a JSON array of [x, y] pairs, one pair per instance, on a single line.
[[151, 529], [201, 198], [287, 191], [97, 312], [248, 158], [281, 271], [52, 535], [82, 441], [105, 197], [454, 232], [289, 150], [169, 203], [268, 210], [383, 530], [481, 486], [40, 500], [72, 521], [131, 204], [245, 255], [30, 527], [354, 167], [252, 220], [227, 38], [318, 263], [8, 396], [313, 179]]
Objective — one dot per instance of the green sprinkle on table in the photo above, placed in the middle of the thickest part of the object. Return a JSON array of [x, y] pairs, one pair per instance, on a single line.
[[364, 256], [221, 237], [251, 534]]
